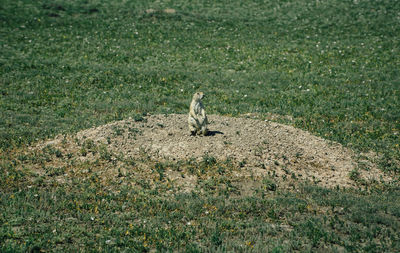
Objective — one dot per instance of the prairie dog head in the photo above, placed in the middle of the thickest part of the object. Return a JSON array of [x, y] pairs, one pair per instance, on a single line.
[[198, 96]]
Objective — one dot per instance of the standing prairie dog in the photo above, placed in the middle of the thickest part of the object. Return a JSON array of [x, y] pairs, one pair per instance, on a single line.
[[197, 115]]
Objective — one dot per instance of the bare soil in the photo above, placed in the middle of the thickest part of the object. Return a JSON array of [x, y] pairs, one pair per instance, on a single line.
[[258, 148]]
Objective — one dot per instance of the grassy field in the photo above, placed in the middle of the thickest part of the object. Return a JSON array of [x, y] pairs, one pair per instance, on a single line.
[[333, 66]]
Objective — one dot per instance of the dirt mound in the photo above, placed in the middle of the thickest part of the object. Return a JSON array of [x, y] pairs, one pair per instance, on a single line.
[[260, 148]]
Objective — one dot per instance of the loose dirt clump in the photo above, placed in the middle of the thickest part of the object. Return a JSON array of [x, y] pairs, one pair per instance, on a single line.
[[258, 148]]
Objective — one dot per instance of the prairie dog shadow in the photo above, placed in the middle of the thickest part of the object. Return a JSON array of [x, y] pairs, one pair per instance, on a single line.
[[213, 133]]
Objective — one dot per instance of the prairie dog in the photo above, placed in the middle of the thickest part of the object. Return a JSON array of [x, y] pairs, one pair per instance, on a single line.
[[197, 115]]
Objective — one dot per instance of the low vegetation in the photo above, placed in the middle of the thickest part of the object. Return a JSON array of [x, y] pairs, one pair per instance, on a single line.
[[90, 206]]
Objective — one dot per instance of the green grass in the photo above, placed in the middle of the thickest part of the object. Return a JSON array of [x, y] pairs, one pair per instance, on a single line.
[[84, 212], [331, 65]]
